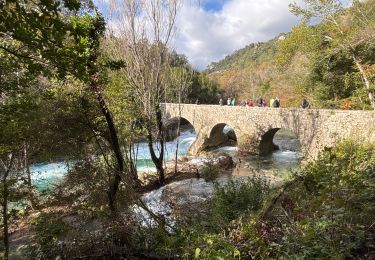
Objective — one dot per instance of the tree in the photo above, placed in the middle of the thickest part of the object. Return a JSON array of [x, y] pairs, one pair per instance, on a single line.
[[141, 36], [180, 80], [342, 31], [57, 39], [14, 121]]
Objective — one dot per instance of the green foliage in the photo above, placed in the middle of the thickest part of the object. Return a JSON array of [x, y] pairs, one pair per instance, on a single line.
[[214, 247], [82, 189], [49, 229], [237, 197], [303, 38], [325, 212], [339, 50], [253, 54], [198, 86], [203, 89], [40, 32], [210, 171], [330, 212], [265, 86], [200, 231]]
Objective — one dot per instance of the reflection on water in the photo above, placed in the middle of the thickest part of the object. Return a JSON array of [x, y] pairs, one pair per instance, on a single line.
[[231, 150], [287, 158]]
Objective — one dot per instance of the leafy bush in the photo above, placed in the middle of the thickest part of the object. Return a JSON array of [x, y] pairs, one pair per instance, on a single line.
[[210, 172], [236, 198], [49, 229], [330, 213], [326, 212]]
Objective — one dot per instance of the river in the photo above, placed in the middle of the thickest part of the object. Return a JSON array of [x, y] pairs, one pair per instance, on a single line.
[[281, 161], [46, 174]]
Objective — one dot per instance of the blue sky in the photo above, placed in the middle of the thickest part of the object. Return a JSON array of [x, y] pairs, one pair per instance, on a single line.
[[213, 5]]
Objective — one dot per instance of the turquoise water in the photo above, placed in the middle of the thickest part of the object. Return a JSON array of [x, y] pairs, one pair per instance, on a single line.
[[185, 140], [45, 175]]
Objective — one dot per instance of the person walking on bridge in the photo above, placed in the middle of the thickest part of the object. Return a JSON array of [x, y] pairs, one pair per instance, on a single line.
[[276, 103], [305, 104], [229, 102], [272, 101], [260, 102]]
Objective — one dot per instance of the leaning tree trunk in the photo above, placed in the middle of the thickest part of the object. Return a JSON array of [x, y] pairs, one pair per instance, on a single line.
[[177, 144], [161, 139], [158, 161], [178, 132], [94, 84], [28, 176], [115, 145], [365, 80]]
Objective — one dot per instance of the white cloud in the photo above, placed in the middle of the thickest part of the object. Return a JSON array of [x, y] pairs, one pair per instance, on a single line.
[[206, 36]]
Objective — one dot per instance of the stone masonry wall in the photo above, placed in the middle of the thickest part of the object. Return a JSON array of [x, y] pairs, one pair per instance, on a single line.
[[315, 128]]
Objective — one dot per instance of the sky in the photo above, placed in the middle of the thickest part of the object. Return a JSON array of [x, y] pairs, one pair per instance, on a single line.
[[212, 29], [209, 30]]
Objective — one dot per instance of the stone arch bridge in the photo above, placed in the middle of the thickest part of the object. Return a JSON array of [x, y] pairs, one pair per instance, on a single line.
[[255, 127]]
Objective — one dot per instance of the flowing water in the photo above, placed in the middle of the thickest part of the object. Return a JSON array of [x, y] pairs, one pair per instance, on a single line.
[[44, 175]]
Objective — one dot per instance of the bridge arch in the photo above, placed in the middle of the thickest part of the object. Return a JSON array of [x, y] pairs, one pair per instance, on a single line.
[[220, 134], [279, 138], [171, 127]]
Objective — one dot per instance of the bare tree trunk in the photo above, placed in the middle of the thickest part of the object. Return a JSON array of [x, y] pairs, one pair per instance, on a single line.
[[28, 175], [133, 163], [178, 132], [177, 144], [161, 140], [365, 80], [5, 218], [158, 161]]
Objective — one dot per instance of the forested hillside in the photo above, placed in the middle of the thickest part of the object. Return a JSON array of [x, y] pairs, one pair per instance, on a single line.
[[252, 72], [331, 63]]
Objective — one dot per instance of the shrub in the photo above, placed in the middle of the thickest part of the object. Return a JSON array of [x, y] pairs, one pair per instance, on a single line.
[[330, 213], [236, 198], [210, 172]]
